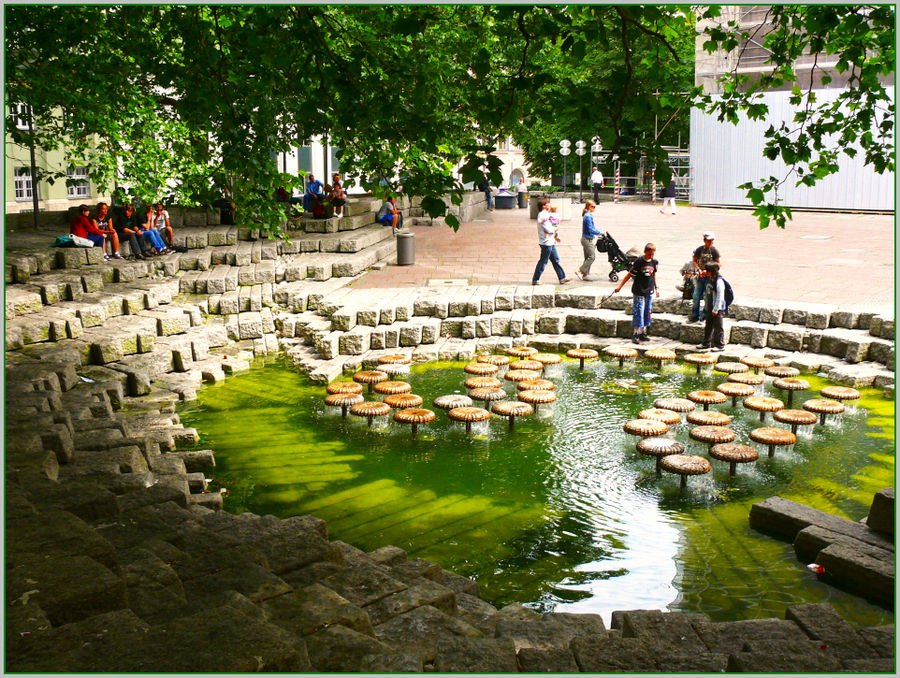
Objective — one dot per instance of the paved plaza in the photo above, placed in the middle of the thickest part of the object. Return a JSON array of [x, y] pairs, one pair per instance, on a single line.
[[844, 260]]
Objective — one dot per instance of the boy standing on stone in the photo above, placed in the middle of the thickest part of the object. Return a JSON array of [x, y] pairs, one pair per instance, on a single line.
[[643, 270]]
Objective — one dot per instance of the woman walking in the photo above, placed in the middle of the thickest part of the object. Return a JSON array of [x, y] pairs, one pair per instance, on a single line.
[[588, 239]]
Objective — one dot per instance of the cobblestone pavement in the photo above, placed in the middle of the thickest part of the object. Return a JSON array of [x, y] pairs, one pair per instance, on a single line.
[[846, 260]]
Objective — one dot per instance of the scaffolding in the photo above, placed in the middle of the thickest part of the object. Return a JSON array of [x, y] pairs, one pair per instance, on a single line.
[[679, 162]]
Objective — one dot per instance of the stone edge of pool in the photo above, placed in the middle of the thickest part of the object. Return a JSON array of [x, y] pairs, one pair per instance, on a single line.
[[118, 559]]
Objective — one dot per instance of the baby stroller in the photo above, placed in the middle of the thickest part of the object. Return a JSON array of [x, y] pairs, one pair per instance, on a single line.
[[618, 260]]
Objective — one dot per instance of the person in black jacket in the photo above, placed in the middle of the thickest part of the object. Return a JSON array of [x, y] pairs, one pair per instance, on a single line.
[[668, 197], [485, 187]]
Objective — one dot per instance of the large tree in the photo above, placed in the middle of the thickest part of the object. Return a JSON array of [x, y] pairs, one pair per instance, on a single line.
[[182, 102]]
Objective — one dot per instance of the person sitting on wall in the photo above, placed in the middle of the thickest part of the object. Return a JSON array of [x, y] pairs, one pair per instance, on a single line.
[[103, 222], [388, 214], [314, 194], [338, 195], [127, 229], [83, 226], [162, 224], [150, 234]]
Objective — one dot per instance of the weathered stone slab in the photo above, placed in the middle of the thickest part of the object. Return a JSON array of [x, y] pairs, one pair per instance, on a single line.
[[363, 585], [338, 648], [783, 655], [859, 569], [821, 622], [314, 608], [418, 631], [68, 588], [784, 518], [475, 655], [882, 513], [882, 639], [613, 654]]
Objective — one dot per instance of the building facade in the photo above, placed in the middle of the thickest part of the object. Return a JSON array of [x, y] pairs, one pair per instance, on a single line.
[[21, 187], [724, 155]]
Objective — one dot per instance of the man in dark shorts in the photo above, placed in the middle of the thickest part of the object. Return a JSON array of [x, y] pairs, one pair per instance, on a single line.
[[703, 256], [643, 270]]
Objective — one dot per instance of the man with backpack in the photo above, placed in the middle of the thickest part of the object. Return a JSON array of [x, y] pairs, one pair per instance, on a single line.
[[718, 297], [703, 256]]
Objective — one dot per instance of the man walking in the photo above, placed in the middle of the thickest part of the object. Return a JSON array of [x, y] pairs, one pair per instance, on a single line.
[[702, 257], [547, 241], [714, 309], [597, 181]]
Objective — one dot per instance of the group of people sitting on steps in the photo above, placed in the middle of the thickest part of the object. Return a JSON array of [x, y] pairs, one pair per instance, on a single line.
[[148, 234], [318, 196]]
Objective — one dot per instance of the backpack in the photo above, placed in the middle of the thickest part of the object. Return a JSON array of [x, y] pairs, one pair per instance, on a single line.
[[729, 295]]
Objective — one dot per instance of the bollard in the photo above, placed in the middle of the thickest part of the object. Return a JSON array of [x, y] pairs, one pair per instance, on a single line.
[[406, 249]]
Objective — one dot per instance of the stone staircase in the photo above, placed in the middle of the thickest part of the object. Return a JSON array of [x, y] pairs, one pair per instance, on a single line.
[[120, 559]]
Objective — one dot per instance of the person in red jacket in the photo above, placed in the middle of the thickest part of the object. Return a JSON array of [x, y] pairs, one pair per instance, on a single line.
[[83, 226]]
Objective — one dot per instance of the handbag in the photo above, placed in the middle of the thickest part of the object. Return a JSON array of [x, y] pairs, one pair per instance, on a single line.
[[82, 242]]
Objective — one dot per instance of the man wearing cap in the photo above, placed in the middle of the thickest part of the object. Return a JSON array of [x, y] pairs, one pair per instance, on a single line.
[[702, 256]]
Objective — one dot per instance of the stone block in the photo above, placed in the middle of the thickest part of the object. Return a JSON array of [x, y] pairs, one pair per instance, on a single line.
[[771, 315], [882, 512], [861, 374], [420, 592], [363, 585], [340, 649], [69, 588], [744, 312], [419, 630], [410, 334], [783, 655], [861, 569], [785, 339], [613, 654], [880, 638], [475, 655], [549, 660], [783, 518], [313, 608], [846, 319], [821, 622]]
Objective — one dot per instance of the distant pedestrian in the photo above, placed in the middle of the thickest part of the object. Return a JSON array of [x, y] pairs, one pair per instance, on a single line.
[[714, 308], [703, 256], [643, 270], [668, 197], [597, 181], [485, 187], [547, 239], [588, 239]]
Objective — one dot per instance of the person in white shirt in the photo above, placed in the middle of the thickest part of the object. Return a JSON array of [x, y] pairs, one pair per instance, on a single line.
[[547, 240], [597, 181], [162, 224]]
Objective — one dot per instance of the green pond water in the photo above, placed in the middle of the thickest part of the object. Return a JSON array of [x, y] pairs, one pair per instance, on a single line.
[[562, 513]]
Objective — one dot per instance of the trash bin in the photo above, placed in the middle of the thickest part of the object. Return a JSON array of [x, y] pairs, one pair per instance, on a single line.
[[406, 249], [523, 199], [504, 201]]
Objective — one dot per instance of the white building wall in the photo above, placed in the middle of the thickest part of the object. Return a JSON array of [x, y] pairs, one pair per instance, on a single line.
[[724, 156]]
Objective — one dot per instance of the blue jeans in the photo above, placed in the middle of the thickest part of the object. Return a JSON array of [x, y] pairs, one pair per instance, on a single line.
[[699, 289], [490, 199], [641, 310], [155, 239], [548, 252]]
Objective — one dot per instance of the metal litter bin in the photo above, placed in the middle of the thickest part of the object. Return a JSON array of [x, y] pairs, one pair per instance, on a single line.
[[406, 249], [523, 199]]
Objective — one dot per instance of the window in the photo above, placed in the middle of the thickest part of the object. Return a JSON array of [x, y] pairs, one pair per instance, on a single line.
[[78, 185], [21, 113], [23, 183]]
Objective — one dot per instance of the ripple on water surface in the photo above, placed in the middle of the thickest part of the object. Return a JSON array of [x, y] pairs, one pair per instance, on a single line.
[[559, 514]]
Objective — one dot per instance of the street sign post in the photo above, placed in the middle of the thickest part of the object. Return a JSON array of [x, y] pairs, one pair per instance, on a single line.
[[580, 147], [564, 150]]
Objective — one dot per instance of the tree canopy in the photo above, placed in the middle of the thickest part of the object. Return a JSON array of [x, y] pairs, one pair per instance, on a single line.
[[181, 102]]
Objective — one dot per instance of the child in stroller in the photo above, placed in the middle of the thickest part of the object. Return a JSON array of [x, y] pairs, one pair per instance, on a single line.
[[618, 260]]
